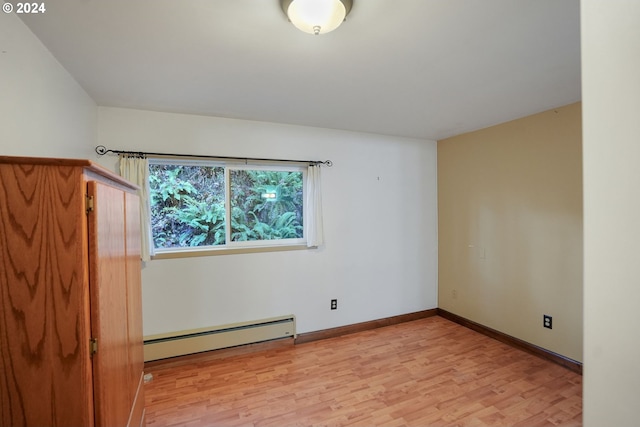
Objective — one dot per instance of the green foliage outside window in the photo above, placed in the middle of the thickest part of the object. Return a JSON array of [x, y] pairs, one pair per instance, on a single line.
[[188, 205], [254, 216]]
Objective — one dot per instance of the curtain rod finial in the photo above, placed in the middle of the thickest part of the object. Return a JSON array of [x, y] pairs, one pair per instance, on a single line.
[[101, 150]]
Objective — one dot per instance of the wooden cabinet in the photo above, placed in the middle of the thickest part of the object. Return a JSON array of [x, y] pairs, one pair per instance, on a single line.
[[69, 287]]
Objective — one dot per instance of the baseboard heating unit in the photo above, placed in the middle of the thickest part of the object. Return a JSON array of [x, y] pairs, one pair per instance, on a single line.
[[198, 340]]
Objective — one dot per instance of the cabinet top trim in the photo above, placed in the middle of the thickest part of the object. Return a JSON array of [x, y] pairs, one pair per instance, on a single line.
[[83, 163]]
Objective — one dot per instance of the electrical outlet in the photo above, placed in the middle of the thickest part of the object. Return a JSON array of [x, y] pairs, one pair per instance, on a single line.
[[547, 321], [334, 304]]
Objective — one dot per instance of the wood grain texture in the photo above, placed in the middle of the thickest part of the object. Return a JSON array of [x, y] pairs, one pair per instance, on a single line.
[[107, 255], [53, 299], [134, 308], [44, 303], [90, 168], [421, 373], [222, 353], [363, 326], [574, 365]]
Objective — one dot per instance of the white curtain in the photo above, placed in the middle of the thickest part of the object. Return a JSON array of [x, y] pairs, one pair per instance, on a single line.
[[136, 170], [313, 212]]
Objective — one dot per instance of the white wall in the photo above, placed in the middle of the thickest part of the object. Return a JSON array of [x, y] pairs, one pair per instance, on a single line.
[[611, 131], [380, 258], [43, 111], [379, 198]]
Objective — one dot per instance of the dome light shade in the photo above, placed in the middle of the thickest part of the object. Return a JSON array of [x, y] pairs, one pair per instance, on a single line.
[[316, 16]]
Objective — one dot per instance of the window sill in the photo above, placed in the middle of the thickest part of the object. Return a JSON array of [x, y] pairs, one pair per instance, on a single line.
[[229, 251]]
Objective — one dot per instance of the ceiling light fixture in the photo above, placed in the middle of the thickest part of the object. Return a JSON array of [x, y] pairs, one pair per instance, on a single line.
[[316, 16]]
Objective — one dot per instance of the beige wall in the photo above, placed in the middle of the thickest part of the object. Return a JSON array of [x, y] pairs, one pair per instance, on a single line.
[[510, 228]]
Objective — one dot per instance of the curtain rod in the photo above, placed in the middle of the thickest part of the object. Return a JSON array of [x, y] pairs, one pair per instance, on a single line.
[[102, 150]]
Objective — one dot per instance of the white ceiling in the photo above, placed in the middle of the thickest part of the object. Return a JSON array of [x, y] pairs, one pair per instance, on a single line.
[[417, 68]]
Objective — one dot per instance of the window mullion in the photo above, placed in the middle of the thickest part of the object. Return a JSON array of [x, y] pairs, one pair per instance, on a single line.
[[227, 204]]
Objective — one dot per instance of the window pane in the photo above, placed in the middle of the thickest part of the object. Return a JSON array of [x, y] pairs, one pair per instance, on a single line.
[[187, 205], [266, 205]]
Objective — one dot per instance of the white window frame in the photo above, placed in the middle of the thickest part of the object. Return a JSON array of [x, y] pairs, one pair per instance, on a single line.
[[239, 246]]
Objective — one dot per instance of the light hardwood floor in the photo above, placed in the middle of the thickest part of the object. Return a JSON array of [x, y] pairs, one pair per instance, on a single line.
[[428, 372]]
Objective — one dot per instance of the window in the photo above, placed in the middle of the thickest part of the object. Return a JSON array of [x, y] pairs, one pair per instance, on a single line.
[[213, 205]]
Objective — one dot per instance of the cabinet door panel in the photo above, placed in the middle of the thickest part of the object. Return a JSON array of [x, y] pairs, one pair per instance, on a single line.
[[134, 307], [45, 373], [109, 312]]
